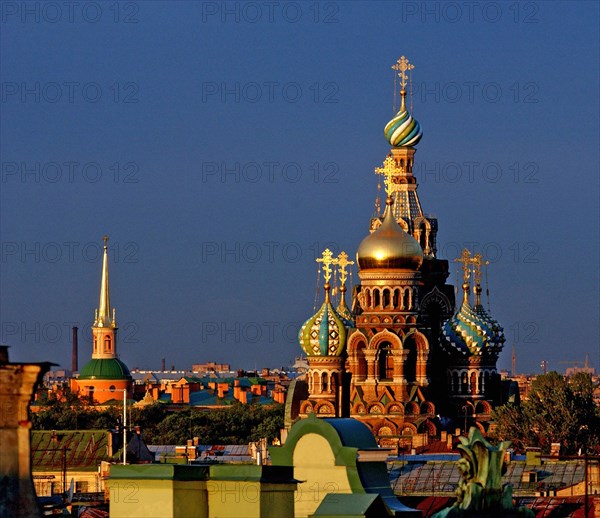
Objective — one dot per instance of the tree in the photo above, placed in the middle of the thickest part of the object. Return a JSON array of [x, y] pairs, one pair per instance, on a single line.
[[65, 410], [236, 424], [558, 410]]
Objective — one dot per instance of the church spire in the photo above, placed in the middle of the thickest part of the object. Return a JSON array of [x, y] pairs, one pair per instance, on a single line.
[[103, 313]]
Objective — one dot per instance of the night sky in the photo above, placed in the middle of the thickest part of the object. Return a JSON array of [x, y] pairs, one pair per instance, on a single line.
[[223, 146]]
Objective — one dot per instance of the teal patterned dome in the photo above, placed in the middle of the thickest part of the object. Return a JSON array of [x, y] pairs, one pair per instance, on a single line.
[[472, 332], [323, 334], [345, 314]]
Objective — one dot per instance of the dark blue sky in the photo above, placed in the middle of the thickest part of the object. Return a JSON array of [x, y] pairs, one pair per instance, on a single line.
[[222, 146]]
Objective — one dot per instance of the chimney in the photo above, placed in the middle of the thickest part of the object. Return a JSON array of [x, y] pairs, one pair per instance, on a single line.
[[162, 365], [74, 358], [4, 353], [222, 388]]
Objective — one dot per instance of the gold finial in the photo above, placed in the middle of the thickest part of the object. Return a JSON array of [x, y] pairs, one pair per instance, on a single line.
[[478, 261], [403, 65], [389, 170], [327, 259], [465, 259], [105, 239], [342, 261]]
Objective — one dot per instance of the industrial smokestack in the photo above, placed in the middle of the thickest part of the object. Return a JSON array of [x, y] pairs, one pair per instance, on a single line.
[[74, 358], [163, 365]]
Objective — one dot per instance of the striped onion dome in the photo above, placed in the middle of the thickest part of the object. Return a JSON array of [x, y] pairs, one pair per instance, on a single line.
[[403, 130], [324, 333], [472, 332]]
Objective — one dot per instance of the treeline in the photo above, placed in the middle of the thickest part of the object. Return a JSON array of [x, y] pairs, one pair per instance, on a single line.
[[235, 424], [557, 410]]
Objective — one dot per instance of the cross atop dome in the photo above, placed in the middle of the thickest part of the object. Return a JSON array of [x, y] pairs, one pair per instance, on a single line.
[[403, 130], [403, 65]]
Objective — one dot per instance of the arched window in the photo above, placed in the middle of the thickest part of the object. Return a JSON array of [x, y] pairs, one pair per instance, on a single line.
[[324, 386], [385, 362], [361, 368], [107, 343], [410, 364], [386, 297]]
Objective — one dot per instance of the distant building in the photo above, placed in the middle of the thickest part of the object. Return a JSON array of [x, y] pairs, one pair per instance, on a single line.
[[201, 368], [105, 377]]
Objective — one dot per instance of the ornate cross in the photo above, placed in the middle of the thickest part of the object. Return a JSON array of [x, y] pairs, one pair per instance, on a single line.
[[389, 170], [342, 262], [478, 261], [465, 259], [403, 65], [327, 259]]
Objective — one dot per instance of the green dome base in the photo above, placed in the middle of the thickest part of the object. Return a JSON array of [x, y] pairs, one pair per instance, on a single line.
[[105, 369]]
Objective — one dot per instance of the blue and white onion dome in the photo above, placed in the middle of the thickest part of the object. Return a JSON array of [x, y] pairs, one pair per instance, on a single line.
[[472, 331]]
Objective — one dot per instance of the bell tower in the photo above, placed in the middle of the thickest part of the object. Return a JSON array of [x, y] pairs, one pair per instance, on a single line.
[[104, 328]]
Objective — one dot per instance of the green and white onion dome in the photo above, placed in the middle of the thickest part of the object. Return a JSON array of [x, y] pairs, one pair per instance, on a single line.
[[403, 130], [323, 334]]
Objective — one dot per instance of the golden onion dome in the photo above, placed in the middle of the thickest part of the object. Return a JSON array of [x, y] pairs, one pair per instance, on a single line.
[[389, 247]]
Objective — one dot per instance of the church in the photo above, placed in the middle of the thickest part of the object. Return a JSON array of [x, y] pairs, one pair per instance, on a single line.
[[403, 358], [105, 376]]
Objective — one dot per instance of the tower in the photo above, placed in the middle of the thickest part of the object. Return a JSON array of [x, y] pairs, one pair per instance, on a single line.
[[323, 339], [105, 376], [472, 341]]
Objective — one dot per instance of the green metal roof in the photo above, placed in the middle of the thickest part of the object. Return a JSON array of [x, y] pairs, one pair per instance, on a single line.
[[84, 449], [105, 369], [350, 505]]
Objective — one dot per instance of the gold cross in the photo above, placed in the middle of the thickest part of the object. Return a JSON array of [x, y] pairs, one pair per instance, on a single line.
[[403, 65], [465, 259], [327, 261], [478, 261], [389, 170], [342, 262]]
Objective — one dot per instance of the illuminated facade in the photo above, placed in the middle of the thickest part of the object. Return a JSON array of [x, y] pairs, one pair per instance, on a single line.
[[393, 360]]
